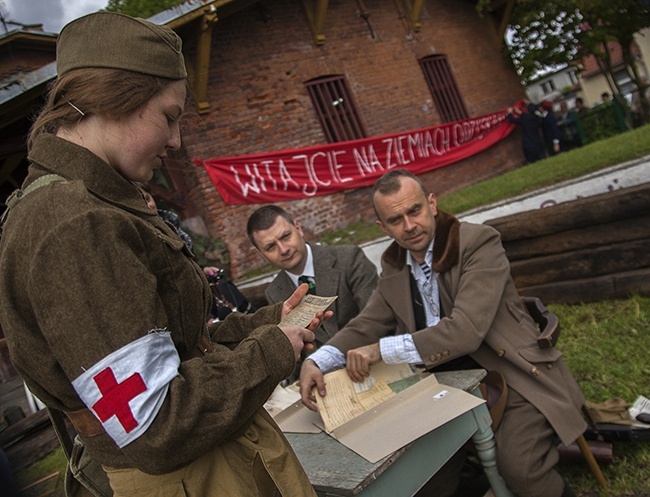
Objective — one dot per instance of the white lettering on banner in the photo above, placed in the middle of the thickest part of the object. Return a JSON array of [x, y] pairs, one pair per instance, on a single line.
[[326, 169]]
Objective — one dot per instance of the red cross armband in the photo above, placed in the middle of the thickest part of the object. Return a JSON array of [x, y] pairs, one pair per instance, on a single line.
[[126, 389]]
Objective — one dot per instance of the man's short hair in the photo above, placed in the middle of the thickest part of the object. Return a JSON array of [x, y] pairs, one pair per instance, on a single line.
[[263, 218], [391, 182]]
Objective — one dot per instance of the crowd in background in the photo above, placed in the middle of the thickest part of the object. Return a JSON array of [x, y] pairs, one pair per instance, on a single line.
[[548, 130]]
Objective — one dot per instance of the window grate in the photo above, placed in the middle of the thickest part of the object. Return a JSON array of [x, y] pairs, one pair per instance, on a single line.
[[443, 87], [336, 108]]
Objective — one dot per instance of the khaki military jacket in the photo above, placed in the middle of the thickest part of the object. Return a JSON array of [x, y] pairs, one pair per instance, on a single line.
[[86, 268], [484, 318]]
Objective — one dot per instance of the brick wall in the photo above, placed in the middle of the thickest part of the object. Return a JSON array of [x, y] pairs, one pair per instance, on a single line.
[[258, 102]]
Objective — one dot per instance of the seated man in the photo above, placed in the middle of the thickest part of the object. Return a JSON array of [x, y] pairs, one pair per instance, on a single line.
[[342, 270], [446, 287]]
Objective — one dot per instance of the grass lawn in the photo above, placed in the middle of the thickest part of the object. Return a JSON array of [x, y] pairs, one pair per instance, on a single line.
[[606, 346]]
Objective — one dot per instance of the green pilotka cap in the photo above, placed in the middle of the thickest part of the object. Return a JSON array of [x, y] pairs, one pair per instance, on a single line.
[[117, 41]]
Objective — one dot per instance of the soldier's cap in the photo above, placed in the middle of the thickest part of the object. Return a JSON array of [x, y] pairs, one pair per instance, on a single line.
[[117, 41]]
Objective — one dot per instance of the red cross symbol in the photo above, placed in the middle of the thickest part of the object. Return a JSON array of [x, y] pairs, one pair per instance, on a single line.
[[116, 396]]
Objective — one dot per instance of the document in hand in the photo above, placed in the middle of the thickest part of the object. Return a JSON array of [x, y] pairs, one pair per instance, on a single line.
[[306, 310], [388, 411]]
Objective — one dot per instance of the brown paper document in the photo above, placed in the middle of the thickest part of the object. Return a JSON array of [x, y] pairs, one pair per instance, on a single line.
[[346, 399]]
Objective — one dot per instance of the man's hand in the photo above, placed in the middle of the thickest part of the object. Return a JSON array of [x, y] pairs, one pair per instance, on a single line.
[[300, 338], [359, 361], [296, 297], [311, 376]]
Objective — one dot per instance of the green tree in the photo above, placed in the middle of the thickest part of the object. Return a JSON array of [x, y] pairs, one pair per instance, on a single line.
[[141, 8], [546, 33], [543, 34], [605, 21]]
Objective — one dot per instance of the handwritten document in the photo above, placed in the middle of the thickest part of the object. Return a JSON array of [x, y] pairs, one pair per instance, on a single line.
[[346, 399], [305, 311]]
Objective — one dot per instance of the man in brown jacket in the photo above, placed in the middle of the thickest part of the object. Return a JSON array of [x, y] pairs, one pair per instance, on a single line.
[[446, 300]]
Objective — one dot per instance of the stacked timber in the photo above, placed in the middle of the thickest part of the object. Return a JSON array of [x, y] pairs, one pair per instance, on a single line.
[[585, 250]]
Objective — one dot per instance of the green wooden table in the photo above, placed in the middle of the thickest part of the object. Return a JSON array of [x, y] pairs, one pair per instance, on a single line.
[[335, 470]]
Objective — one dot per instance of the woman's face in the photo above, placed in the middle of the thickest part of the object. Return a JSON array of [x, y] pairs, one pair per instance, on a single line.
[[138, 143]]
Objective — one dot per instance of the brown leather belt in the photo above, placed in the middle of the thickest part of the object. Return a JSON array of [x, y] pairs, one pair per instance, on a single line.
[[85, 422]]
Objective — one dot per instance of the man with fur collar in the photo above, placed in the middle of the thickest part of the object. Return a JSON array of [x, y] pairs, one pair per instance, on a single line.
[[446, 300]]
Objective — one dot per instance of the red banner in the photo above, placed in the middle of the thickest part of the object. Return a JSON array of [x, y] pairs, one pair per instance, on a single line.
[[325, 169]]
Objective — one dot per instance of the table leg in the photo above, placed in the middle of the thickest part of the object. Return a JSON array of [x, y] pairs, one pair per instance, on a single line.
[[486, 450]]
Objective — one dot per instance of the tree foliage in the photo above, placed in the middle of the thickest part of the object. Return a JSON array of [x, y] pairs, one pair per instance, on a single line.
[[543, 33], [547, 33], [141, 8]]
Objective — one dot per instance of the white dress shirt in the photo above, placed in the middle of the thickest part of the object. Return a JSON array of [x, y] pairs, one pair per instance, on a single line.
[[400, 348]]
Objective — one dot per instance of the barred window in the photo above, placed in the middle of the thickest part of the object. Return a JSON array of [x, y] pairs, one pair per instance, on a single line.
[[336, 109], [443, 87]]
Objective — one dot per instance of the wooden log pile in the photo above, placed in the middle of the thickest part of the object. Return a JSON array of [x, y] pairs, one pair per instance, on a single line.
[[585, 250]]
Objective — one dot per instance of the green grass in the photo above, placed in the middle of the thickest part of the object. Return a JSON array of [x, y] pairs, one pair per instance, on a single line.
[[355, 234], [54, 462], [575, 163], [605, 345]]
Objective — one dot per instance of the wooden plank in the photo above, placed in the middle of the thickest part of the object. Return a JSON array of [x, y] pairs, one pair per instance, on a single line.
[[598, 209], [620, 285], [585, 237], [592, 262]]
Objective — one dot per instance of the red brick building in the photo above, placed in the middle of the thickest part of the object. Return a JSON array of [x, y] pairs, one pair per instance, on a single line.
[[251, 63], [261, 58]]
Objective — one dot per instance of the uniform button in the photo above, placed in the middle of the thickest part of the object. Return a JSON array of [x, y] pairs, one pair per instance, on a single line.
[[535, 371], [501, 352], [549, 365], [432, 358], [445, 353]]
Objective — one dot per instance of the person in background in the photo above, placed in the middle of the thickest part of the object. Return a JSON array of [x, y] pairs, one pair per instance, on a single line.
[[446, 300], [640, 105], [580, 108], [550, 128], [104, 309], [567, 121], [531, 131]]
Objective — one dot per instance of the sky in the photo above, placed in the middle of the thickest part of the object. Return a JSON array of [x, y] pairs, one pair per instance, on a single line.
[[53, 14]]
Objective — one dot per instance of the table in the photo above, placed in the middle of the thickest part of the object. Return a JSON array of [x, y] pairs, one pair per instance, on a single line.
[[336, 471]]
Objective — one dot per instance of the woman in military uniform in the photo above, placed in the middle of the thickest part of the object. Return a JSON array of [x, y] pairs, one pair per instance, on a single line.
[[103, 308]]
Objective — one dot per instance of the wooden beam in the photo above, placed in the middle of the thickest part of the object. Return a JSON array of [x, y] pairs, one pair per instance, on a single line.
[[316, 19], [415, 11], [202, 63]]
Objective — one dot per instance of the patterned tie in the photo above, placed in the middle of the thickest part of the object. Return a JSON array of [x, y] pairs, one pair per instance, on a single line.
[[426, 269], [311, 281], [428, 289]]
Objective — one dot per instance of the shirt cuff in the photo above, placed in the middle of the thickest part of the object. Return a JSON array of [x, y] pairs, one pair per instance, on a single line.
[[399, 349], [328, 358]]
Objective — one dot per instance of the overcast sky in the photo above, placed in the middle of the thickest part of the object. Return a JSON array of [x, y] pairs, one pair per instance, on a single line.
[[52, 14]]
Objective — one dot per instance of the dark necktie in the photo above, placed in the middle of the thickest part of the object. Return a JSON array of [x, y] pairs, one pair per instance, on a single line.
[[311, 281]]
